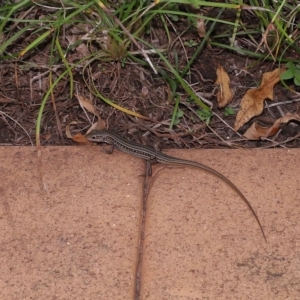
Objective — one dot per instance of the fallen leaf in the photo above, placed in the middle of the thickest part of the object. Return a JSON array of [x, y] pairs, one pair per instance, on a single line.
[[225, 94], [79, 138], [68, 129], [85, 103], [256, 132], [88, 105], [252, 103]]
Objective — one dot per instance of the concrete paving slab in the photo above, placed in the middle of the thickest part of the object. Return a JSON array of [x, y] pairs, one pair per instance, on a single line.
[[202, 242], [73, 231], [79, 237]]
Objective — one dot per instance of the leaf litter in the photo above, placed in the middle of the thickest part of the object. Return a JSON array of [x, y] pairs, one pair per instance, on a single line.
[[252, 103]]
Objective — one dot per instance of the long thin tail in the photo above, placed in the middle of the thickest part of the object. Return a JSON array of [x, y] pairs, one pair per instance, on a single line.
[[183, 162]]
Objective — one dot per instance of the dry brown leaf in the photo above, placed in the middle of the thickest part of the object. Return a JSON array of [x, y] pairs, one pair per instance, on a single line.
[[87, 104], [252, 103], [256, 132], [79, 138], [225, 94], [100, 124], [68, 129]]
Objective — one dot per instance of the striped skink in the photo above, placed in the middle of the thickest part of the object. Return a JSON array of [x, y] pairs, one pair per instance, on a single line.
[[152, 156]]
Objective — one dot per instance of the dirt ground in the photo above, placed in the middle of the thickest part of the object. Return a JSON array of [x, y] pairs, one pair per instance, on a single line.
[[25, 81]]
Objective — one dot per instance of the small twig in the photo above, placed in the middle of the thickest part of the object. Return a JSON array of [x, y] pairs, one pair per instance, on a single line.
[[58, 124], [168, 135], [209, 103], [37, 77], [276, 144], [227, 143], [223, 121], [143, 215], [3, 113], [282, 103]]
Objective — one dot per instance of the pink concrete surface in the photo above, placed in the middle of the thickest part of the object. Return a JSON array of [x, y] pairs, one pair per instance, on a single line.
[[203, 242], [71, 224]]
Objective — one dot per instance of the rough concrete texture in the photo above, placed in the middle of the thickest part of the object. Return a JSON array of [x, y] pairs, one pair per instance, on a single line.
[[71, 232], [70, 226]]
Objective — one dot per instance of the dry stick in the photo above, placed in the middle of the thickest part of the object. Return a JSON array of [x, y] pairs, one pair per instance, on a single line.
[[229, 144], [282, 103], [147, 187], [6, 115], [275, 144], [142, 233], [128, 33], [58, 124]]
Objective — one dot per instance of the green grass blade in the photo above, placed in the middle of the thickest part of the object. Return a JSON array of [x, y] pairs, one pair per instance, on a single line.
[[62, 56], [36, 42]]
